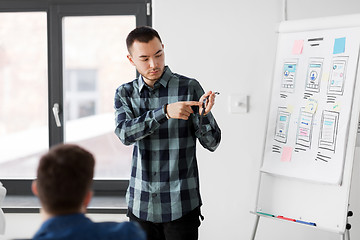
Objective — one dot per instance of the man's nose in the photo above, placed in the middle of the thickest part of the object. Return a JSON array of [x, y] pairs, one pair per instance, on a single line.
[[152, 63]]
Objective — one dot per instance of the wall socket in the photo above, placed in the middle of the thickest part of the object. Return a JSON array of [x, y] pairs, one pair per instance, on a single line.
[[238, 103]]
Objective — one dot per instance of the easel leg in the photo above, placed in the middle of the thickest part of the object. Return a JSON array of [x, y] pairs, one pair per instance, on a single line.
[[346, 235], [255, 227]]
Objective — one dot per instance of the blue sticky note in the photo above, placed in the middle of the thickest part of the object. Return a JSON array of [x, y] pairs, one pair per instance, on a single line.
[[339, 45]]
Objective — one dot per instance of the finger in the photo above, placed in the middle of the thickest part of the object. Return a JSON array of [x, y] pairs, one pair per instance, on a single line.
[[210, 104], [212, 98], [208, 94], [184, 116], [205, 95], [208, 108], [187, 110], [209, 99], [192, 103]]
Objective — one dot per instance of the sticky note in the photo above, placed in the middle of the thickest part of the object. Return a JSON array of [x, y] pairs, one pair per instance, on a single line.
[[286, 154], [311, 105], [336, 107], [339, 45], [325, 76], [290, 108], [298, 47]]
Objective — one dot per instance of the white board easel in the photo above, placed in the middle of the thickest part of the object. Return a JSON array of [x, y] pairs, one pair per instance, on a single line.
[[313, 118]]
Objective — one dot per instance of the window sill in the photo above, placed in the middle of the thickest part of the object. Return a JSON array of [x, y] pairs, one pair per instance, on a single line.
[[31, 204]]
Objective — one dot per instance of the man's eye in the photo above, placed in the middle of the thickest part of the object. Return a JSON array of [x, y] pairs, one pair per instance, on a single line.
[[158, 55], [145, 59]]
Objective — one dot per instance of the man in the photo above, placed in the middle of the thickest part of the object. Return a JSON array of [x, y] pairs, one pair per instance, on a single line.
[[63, 185], [160, 112]]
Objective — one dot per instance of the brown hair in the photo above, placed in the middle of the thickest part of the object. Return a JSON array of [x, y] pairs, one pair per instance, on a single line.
[[142, 34], [64, 177]]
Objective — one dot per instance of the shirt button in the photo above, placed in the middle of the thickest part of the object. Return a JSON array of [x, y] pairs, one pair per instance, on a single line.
[[154, 173], [154, 195]]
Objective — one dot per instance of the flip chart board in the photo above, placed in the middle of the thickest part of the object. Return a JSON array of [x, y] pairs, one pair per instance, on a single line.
[[312, 122]]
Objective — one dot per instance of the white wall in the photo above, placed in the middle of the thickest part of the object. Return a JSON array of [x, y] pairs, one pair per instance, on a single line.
[[229, 46]]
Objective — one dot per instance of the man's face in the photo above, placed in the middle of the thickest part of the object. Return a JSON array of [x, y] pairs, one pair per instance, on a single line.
[[149, 59]]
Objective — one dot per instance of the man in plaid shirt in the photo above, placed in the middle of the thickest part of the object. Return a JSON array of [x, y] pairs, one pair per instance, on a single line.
[[163, 113]]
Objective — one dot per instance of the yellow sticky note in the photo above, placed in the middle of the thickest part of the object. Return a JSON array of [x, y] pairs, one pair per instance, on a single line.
[[311, 105], [290, 108], [336, 107], [325, 77]]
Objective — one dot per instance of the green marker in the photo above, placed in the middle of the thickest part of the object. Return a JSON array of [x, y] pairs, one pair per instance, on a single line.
[[266, 214]]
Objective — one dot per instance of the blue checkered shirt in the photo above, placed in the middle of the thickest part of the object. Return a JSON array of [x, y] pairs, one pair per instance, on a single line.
[[164, 182]]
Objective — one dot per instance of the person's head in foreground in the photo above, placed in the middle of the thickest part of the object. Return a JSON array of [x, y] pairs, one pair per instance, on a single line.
[[63, 185], [64, 179]]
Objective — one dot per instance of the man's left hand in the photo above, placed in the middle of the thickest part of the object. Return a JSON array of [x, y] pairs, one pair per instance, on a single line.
[[210, 101]]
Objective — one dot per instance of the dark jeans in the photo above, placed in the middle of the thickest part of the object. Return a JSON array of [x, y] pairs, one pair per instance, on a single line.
[[184, 228]]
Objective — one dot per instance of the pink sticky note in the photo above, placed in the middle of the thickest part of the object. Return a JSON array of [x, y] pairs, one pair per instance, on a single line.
[[298, 47], [286, 154]]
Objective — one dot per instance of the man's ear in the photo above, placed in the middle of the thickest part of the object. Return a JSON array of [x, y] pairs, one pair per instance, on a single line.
[[88, 198], [34, 188], [86, 201], [130, 59]]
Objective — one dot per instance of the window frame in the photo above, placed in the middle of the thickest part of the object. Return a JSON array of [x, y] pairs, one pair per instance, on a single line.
[[56, 10]]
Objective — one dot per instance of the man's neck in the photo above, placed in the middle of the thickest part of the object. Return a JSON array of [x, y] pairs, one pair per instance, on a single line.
[[46, 215], [148, 82]]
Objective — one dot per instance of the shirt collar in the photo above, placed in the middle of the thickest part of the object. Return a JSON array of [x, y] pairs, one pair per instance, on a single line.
[[53, 221], [65, 217], [163, 80]]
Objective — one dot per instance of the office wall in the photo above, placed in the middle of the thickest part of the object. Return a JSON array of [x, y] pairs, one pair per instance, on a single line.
[[229, 46]]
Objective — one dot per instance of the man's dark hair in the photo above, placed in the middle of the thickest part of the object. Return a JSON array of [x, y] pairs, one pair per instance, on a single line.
[[142, 34], [64, 177]]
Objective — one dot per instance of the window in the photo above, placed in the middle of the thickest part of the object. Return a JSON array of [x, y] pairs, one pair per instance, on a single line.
[[81, 93], [95, 65], [68, 56], [24, 131]]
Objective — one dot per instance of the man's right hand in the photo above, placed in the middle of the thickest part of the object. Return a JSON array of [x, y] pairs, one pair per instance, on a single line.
[[181, 110]]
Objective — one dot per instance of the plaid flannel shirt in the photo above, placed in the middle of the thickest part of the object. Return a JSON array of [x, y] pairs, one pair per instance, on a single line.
[[164, 182]]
